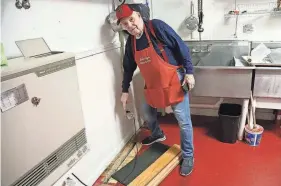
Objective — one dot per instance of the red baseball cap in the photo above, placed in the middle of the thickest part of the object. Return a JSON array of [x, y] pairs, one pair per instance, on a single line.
[[123, 11]]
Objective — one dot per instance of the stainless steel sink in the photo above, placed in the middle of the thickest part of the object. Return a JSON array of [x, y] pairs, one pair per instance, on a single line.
[[267, 80], [267, 83], [215, 71]]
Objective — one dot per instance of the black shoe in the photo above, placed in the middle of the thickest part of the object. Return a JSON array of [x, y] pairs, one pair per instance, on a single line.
[[187, 166], [150, 140]]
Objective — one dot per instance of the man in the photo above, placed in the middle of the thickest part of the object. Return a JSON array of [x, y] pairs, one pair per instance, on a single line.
[[165, 64]]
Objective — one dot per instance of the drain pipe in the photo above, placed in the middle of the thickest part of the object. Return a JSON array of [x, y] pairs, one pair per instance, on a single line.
[[122, 53], [278, 118], [122, 48]]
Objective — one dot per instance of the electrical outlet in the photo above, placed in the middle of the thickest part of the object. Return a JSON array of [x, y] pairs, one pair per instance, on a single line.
[[129, 115], [69, 182], [248, 28]]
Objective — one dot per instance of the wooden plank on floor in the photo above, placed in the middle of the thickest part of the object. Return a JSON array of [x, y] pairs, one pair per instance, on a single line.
[[129, 158], [165, 172], [154, 169], [121, 161]]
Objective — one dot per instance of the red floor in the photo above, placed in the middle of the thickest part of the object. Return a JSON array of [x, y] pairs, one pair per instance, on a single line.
[[218, 163]]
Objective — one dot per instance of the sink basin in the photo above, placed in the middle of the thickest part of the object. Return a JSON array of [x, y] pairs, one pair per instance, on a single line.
[[267, 81], [217, 53], [215, 69]]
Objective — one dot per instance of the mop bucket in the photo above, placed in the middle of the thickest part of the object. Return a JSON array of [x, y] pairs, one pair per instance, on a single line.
[[253, 136]]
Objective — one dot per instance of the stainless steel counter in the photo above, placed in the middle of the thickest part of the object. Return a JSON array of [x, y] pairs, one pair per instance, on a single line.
[[218, 75]]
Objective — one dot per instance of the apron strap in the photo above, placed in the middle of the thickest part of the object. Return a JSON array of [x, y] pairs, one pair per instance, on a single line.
[[160, 45]]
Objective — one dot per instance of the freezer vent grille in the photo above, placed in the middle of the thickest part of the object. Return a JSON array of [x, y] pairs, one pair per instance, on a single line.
[[47, 166]]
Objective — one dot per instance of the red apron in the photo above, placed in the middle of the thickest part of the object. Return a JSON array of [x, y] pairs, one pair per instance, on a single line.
[[162, 85]]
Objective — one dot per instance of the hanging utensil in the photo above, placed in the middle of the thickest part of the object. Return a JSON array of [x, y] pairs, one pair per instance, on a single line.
[[25, 4], [200, 15], [122, 2], [191, 22], [18, 4]]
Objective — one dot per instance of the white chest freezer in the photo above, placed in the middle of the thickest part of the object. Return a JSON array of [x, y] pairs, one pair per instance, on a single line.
[[43, 133]]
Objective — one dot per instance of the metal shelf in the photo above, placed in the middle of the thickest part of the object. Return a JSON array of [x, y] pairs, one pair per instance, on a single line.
[[250, 10], [253, 9], [272, 13]]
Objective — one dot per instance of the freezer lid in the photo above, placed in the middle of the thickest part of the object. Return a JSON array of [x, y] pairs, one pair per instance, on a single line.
[[33, 47]]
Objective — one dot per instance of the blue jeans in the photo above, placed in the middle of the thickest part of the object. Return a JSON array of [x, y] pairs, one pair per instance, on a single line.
[[182, 114]]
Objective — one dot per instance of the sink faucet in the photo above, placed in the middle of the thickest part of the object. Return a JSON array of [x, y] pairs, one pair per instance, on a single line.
[[202, 49]]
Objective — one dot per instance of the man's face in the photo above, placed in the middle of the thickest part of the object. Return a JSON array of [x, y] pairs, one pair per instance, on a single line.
[[133, 24]]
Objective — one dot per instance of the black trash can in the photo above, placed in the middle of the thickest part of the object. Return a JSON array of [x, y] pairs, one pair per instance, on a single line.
[[229, 116]]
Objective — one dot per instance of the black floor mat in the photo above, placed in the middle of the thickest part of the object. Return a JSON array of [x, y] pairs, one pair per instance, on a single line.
[[128, 173]]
